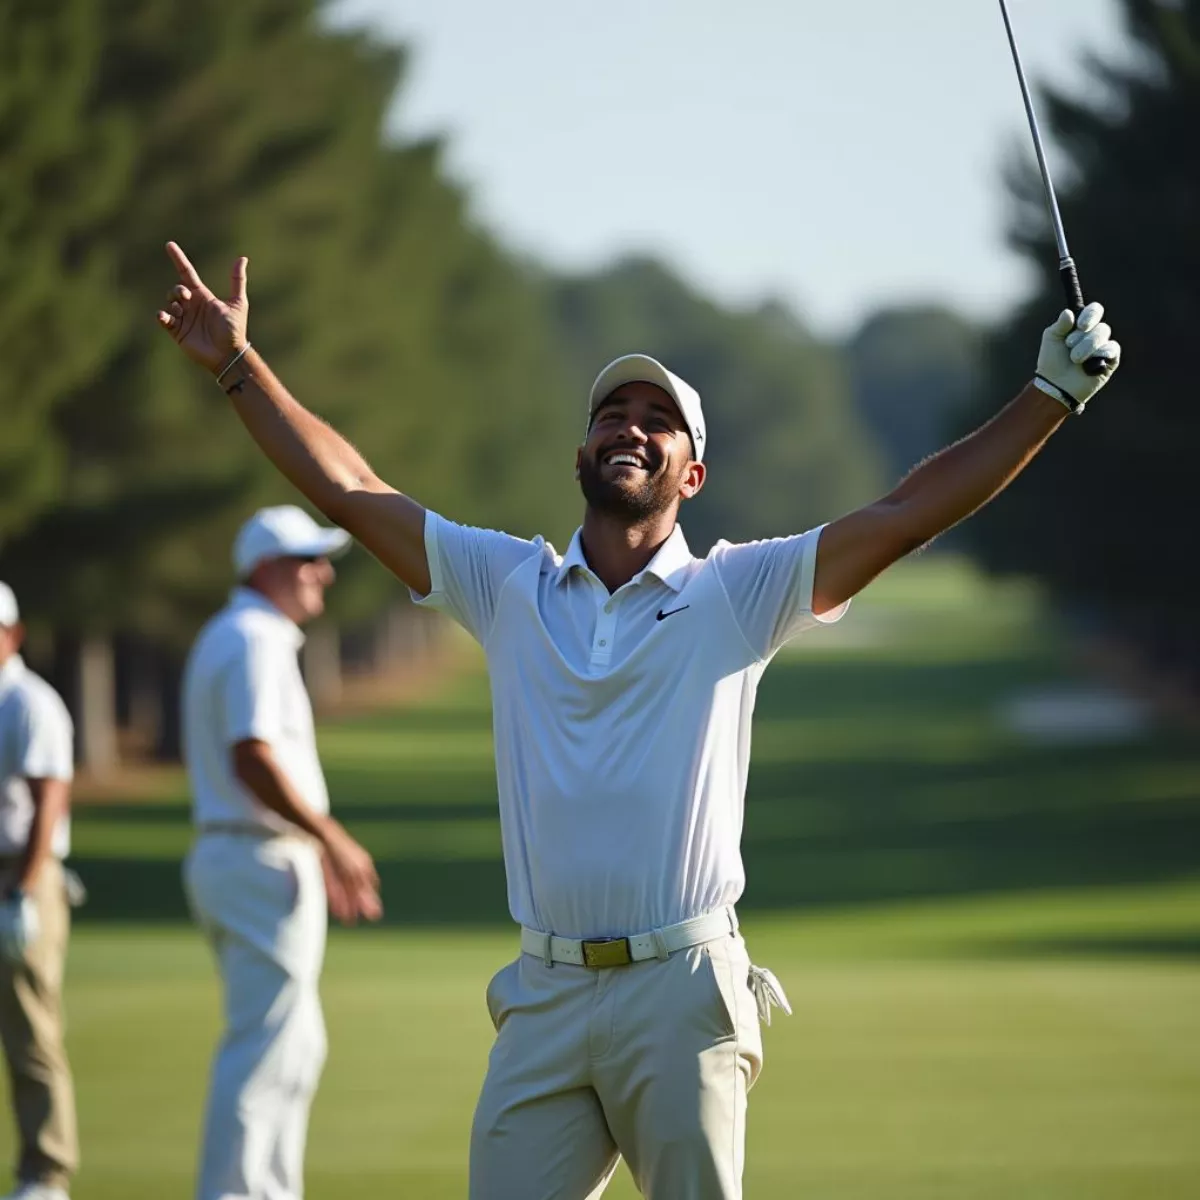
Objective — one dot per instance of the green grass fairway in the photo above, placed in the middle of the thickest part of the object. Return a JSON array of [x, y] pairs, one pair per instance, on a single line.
[[911, 1079], [992, 943]]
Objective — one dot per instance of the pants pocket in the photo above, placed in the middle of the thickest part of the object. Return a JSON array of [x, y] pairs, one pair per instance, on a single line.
[[730, 967], [497, 1004], [721, 999]]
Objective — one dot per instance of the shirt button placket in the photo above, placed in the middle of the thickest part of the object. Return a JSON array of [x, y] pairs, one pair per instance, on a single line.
[[606, 622]]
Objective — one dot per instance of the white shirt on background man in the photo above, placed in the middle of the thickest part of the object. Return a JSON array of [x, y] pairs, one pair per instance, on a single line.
[[36, 742], [243, 682]]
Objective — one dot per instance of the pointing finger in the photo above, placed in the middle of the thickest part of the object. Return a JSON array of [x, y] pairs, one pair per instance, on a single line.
[[239, 280], [186, 271]]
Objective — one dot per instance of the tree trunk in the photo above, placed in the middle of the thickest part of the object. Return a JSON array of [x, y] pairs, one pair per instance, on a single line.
[[139, 707], [97, 733], [406, 635], [170, 717], [322, 662]]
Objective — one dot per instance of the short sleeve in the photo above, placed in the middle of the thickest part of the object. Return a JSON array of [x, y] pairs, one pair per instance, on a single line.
[[467, 570], [769, 585], [252, 687], [47, 738]]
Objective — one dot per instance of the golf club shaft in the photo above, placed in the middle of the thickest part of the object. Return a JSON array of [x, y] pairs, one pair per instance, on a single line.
[[1067, 273]]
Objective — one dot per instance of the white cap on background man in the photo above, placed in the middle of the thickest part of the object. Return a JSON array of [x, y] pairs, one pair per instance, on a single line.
[[10, 614], [284, 531]]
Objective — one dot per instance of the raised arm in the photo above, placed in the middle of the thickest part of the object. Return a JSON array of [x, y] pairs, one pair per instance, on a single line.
[[962, 478], [314, 457]]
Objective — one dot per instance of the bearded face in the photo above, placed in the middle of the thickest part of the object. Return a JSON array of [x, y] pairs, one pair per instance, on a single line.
[[637, 455]]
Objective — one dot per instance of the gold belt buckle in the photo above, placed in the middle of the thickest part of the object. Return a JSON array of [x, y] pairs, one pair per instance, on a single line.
[[606, 952]]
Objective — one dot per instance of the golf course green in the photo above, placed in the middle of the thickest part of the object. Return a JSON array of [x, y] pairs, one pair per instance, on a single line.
[[990, 934]]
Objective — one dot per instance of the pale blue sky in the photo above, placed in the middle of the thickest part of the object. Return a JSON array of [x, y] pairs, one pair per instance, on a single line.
[[839, 154]]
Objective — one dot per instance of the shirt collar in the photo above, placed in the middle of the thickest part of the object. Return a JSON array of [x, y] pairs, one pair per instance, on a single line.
[[11, 672], [667, 565], [247, 598]]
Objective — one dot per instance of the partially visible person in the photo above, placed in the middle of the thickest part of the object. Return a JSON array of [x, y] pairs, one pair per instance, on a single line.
[[36, 768], [268, 858]]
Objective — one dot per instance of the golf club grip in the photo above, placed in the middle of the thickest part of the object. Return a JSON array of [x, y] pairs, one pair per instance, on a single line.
[[1073, 290], [1071, 286]]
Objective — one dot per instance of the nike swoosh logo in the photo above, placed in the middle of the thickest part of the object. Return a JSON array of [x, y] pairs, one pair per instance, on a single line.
[[662, 616]]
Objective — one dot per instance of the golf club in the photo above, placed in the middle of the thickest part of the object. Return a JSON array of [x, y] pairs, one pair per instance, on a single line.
[[1097, 364]]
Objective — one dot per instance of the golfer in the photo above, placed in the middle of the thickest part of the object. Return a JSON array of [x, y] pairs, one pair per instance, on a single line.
[[36, 768], [267, 856], [623, 679]]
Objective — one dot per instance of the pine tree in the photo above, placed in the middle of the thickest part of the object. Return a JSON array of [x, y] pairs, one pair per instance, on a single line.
[[1104, 515], [62, 177]]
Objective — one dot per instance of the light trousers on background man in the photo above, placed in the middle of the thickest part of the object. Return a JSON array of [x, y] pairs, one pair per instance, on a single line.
[[31, 1028], [656, 1057], [261, 901]]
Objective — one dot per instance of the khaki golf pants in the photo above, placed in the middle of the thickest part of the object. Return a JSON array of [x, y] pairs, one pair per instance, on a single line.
[[652, 1061], [31, 1028]]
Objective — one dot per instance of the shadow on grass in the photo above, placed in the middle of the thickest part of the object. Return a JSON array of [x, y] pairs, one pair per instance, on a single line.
[[1178, 946], [878, 781], [422, 892], [174, 816]]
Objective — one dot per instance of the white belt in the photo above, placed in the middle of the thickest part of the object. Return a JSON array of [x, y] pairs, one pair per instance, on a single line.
[[251, 829], [621, 951]]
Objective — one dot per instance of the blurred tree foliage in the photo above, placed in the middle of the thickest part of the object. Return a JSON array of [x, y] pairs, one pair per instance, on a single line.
[[785, 447], [63, 175], [231, 124], [1105, 516], [914, 372]]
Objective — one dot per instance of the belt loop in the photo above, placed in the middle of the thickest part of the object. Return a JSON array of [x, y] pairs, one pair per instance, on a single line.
[[731, 913], [660, 945], [548, 949]]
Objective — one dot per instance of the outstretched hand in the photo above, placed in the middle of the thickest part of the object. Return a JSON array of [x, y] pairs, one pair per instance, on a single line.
[[209, 331]]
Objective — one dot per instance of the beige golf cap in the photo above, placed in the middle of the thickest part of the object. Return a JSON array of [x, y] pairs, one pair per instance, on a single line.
[[10, 614], [641, 368], [284, 531]]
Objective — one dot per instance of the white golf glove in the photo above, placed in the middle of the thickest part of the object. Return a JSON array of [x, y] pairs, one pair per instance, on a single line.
[[1066, 346], [19, 926]]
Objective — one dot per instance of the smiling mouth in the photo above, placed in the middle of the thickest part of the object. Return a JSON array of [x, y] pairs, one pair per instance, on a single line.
[[622, 458]]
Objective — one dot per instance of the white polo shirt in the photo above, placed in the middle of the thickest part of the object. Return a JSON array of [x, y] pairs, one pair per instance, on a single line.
[[243, 681], [622, 721], [36, 742]]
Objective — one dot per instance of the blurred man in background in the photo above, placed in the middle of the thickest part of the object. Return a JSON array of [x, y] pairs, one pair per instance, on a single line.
[[36, 768], [268, 858]]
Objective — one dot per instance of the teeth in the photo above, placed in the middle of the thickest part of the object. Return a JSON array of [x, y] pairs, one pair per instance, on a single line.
[[623, 460]]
